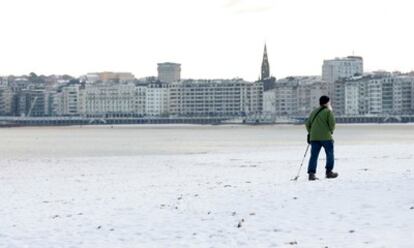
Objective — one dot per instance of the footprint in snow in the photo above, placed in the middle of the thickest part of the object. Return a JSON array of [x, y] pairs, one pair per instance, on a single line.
[[239, 225]]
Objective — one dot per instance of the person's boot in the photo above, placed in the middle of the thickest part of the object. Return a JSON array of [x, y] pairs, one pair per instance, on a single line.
[[331, 174], [312, 177]]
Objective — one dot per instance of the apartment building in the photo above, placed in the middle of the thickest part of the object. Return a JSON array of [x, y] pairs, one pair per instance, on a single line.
[[375, 94], [215, 97]]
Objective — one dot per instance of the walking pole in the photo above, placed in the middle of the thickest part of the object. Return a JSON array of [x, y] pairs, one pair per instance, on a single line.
[[304, 156]]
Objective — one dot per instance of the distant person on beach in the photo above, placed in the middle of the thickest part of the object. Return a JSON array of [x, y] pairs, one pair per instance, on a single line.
[[320, 126]]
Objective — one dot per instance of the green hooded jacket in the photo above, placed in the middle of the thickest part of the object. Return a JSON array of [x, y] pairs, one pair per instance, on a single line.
[[323, 126]]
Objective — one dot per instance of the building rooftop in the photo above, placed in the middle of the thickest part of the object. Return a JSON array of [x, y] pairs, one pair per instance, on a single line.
[[169, 63]]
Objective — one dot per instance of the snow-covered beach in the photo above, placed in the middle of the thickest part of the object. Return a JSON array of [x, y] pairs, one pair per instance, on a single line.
[[203, 186]]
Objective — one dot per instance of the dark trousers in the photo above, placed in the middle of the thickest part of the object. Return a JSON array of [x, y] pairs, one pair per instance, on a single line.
[[316, 146]]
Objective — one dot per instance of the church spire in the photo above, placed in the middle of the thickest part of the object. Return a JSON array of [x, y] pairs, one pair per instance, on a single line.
[[265, 65]]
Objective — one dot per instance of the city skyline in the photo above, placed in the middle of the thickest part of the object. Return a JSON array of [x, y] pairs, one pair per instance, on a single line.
[[211, 39]]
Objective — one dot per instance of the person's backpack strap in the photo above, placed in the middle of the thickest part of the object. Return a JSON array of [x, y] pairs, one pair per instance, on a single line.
[[310, 124], [320, 110]]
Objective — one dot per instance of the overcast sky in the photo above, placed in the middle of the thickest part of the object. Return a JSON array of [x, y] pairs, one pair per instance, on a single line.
[[210, 38]]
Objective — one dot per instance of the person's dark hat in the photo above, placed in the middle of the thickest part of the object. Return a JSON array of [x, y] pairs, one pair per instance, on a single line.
[[323, 100]]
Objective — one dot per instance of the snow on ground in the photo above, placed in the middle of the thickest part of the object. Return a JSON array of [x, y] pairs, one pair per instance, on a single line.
[[228, 199]]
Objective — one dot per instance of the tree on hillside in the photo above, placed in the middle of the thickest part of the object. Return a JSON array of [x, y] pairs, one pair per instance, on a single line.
[[34, 78]]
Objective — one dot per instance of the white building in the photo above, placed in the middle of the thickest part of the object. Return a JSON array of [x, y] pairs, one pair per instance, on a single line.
[[269, 102], [66, 101], [298, 95], [108, 98], [140, 99], [375, 94], [286, 98], [6, 100], [402, 94], [157, 100], [215, 98], [309, 92], [341, 68], [352, 98]]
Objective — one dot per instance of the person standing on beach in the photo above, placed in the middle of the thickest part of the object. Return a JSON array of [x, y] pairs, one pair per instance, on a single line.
[[320, 126]]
